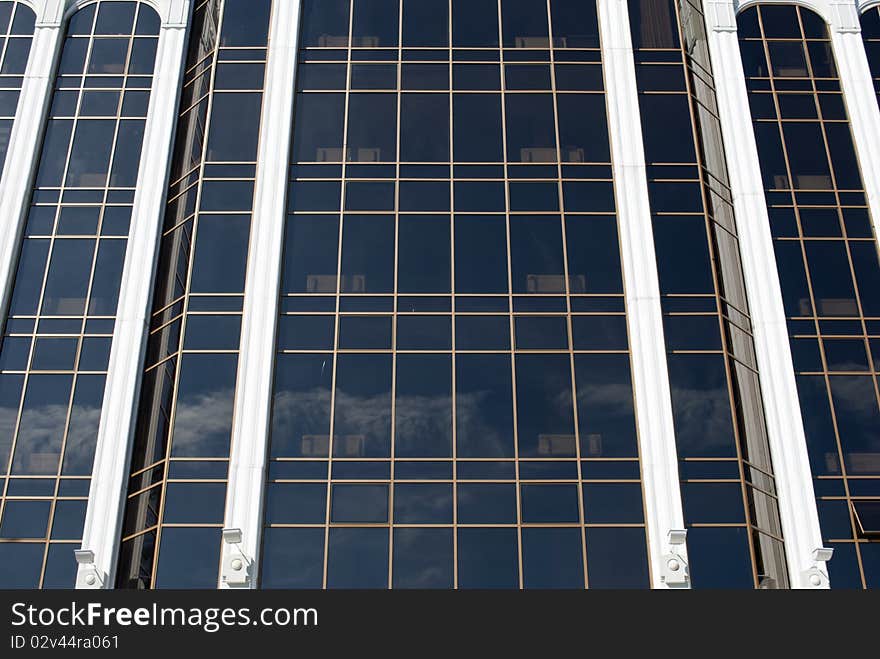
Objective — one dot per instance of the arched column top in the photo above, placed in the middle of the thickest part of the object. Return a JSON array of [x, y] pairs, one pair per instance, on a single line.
[[823, 8], [839, 15], [52, 13], [866, 5]]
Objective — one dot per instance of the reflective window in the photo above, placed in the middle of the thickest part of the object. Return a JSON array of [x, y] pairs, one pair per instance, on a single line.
[[56, 342], [177, 485], [826, 255], [16, 32], [453, 370], [723, 451]]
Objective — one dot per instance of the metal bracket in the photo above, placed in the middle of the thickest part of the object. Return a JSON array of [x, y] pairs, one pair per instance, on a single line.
[[675, 573], [88, 576], [816, 577], [236, 572]]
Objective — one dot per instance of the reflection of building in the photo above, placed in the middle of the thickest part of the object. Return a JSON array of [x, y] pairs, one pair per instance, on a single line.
[[466, 294]]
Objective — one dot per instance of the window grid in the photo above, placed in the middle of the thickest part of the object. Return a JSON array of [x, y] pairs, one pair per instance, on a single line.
[[16, 33], [827, 260], [177, 488], [398, 303], [57, 337]]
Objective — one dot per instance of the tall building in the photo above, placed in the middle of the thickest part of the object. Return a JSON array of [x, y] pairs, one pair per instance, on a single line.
[[439, 294]]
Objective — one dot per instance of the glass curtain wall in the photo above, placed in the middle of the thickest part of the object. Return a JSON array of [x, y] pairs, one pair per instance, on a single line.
[[453, 404], [826, 253], [728, 490], [177, 489], [16, 33], [56, 341]]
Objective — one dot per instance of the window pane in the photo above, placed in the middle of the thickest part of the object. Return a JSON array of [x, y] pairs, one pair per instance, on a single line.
[[474, 23], [221, 254], [127, 156], [203, 419], [363, 406], [358, 558], [423, 503], [301, 406], [653, 23], [701, 406], [374, 23], [82, 433], [423, 411], [425, 23], [525, 24], [552, 558], [235, 124], [292, 558], [488, 558], [477, 127], [90, 155], [667, 128], [544, 406], [359, 504], [189, 559], [67, 283], [323, 114], [719, 558], [372, 128], [858, 421], [593, 254], [484, 406], [245, 24], [606, 415], [311, 254], [531, 130], [20, 565], [368, 254], [424, 128], [617, 558], [423, 558], [537, 264], [424, 248], [325, 23], [583, 130], [575, 24]]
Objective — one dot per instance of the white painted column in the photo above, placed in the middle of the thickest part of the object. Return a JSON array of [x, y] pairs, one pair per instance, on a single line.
[[121, 393], [650, 373], [785, 429], [253, 399], [25, 142], [861, 100]]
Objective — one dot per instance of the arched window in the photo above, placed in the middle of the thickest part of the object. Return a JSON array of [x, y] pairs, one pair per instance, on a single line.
[[826, 254], [56, 341]]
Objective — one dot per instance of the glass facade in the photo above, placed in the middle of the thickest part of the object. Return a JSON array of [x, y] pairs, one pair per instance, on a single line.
[[56, 341], [870, 23], [16, 32], [826, 253], [453, 404], [452, 396], [177, 487], [728, 490]]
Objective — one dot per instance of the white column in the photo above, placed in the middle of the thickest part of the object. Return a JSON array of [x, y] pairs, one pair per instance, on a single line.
[[250, 434], [650, 375], [785, 429], [25, 142], [861, 100], [118, 414]]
